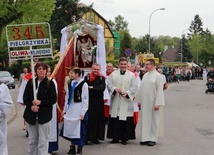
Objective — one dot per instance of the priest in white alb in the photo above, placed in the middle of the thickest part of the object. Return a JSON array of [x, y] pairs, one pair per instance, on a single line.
[[6, 104], [122, 86], [150, 96]]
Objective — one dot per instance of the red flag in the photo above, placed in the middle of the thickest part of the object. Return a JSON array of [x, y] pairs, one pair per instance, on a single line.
[[59, 74]]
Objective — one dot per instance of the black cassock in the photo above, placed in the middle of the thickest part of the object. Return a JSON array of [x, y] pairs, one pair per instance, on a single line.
[[96, 117]]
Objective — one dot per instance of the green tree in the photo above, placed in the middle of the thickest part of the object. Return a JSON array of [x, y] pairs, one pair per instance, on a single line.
[[207, 52], [19, 12], [3, 50], [64, 14], [197, 38], [186, 53], [121, 27], [196, 26], [9, 12], [111, 24], [201, 43], [141, 44], [155, 49], [120, 23], [125, 42], [196, 44], [24, 11], [163, 41]]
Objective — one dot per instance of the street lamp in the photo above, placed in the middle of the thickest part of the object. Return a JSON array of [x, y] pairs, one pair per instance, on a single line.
[[182, 45], [150, 22]]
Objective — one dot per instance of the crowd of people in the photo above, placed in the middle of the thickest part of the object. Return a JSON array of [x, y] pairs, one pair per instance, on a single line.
[[87, 110], [184, 73]]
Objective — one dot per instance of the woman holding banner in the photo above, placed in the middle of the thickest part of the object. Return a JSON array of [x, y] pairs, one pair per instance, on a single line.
[[38, 111]]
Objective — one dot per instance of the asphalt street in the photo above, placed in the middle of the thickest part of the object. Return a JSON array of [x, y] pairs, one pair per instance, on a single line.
[[189, 127]]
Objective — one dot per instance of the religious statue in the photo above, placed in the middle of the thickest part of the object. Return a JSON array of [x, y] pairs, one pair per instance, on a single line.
[[85, 51]]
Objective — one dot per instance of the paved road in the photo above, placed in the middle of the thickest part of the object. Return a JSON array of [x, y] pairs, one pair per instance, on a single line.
[[189, 127]]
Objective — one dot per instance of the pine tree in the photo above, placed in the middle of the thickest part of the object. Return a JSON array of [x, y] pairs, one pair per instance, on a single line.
[[186, 54], [196, 27], [120, 23]]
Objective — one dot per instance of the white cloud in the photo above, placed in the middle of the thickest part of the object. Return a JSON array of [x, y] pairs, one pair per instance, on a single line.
[[176, 18]]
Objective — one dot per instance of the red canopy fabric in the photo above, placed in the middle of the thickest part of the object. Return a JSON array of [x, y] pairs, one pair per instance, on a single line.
[[59, 74]]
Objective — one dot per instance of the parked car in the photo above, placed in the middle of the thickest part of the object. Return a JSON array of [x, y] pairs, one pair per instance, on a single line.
[[7, 78]]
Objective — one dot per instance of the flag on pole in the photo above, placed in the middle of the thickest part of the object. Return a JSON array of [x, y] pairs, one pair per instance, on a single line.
[[59, 73]]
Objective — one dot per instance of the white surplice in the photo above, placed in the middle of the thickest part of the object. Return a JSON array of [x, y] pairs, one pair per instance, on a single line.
[[149, 94], [6, 104], [21, 91], [73, 112], [120, 106], [53, 124], [136, 108]]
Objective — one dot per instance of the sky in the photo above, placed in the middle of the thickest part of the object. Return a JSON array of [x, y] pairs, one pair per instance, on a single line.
[[173, 21]]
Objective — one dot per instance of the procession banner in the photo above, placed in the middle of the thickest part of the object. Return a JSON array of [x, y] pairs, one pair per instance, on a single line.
[[26, 41]]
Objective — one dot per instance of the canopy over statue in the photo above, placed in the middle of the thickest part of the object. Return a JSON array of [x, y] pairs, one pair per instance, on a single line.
[[82, 44], [142, 58]]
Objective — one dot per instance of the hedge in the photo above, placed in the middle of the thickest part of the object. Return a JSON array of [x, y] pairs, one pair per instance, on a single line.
[[15, 69]]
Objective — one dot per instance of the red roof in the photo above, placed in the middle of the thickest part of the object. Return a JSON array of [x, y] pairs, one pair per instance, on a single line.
[[170, 55]]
